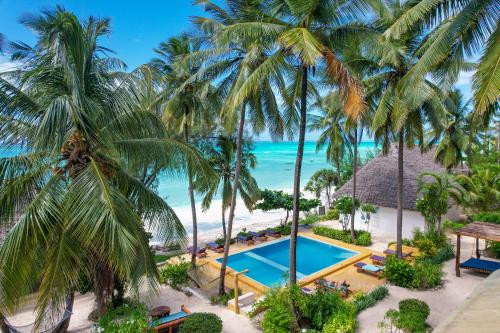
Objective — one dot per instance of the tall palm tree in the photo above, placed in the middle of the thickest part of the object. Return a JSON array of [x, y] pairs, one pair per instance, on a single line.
[[401, 112], [231, 60], [221, 157], [192, 105], [69, 191], [460, 30], [305, 32], [452, 141]]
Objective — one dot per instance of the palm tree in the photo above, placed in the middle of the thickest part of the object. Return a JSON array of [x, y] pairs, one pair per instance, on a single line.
[[323, 180], [69, 192], [452, 142], [460, 29], [331, 121], [305, 33], [192, 105], [401, 112], [231, 60], [481, 190], [221, 157]]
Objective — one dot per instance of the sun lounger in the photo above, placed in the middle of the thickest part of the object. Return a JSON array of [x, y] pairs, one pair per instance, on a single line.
[[261, 236], [248, 240], [307, 291], [378, 259], [369, 269], [167, 324], [201, 252], [272, 233], [393, 253], [215, 247], [481, 265]]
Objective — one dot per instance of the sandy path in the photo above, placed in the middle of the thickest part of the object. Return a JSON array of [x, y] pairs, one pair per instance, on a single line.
[[441, 302]]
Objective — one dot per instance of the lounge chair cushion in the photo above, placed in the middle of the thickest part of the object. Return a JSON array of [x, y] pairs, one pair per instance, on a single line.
[[214, 245], [373, 268], [481, 264], [168, 319], [377, 258]]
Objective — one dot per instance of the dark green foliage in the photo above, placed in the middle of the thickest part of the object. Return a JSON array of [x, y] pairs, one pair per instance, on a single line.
[[492, 217], [224, 299], [160, 258], [311, 219], [443, 254], [363, 238], [332, 214], [368, 300], [176, 275], [410, 318], [322, 305], [128, 318], [421, 275], [201, 322], [399, 272], [343, 205]]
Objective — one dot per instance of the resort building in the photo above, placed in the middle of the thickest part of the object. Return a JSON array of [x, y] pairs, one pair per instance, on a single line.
[[377, 184]]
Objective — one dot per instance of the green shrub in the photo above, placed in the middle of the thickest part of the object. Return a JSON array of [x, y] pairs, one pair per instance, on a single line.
[[453, 225], [160, 258], [341, 322], [321, 306], [426, 275], [126, 319], [285, 230], [279, 317], [443, 254], [495, 246], [416, 307], [363, 238], [311, 219], [410, 318], [224, 299], [175, 275], [399, 272], [365, 301], [332, 214], [426, 247], [492, 217], [201, 322]]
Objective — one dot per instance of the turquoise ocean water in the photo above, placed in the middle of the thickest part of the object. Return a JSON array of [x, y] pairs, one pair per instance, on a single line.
[[275, 168]]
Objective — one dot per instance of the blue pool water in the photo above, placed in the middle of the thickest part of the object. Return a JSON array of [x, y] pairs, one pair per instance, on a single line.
[[268, 264]]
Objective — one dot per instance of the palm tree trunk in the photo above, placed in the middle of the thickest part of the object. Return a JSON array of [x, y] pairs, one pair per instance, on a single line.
[[399, 225], [296, 178], [239, 143], [354, 178], [193, 203], [223, 222]]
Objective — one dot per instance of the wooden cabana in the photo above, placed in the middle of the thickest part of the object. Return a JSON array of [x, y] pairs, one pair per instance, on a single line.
[[477, 230]]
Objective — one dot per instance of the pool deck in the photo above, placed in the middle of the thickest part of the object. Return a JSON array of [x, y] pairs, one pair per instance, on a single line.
[[343, 271]]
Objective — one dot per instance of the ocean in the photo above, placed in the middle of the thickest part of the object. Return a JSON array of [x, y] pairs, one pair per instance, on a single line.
[[275, 169]]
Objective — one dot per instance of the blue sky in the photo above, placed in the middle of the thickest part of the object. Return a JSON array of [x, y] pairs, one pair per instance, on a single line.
[[137, 26]]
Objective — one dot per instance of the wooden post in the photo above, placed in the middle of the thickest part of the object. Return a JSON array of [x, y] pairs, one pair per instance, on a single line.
[[478, 255], [236, 291], [457, 260]]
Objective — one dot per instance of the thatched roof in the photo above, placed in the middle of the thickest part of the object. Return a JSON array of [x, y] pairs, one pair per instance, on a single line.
[[377, 181], [483, 230]]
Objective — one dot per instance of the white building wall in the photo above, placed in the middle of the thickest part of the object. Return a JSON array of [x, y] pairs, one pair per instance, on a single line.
[[383, 223]]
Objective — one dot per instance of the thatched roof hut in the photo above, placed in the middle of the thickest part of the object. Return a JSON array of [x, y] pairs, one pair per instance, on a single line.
[[377, 181]]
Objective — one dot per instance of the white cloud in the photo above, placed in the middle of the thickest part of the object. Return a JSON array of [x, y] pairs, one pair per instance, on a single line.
[[6, 64], [465, 78]]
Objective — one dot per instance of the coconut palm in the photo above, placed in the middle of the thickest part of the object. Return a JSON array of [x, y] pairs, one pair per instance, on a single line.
[[323, 180], [305, 33], [452, 142], [221, 157], [460, 29], [482, 190], [75, 204], [193, 105], [231, 60], [401, 112]]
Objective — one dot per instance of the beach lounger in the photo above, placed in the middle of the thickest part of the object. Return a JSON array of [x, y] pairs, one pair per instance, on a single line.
[[248, 240], [218, 248], [393, 253], [378, 259], [201, 252], [481, 265], [369, 269], [307, 291], [167, 324], [261, 236], [272, 233]]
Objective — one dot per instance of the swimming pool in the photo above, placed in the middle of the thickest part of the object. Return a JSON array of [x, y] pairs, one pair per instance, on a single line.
[[268, 263]]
